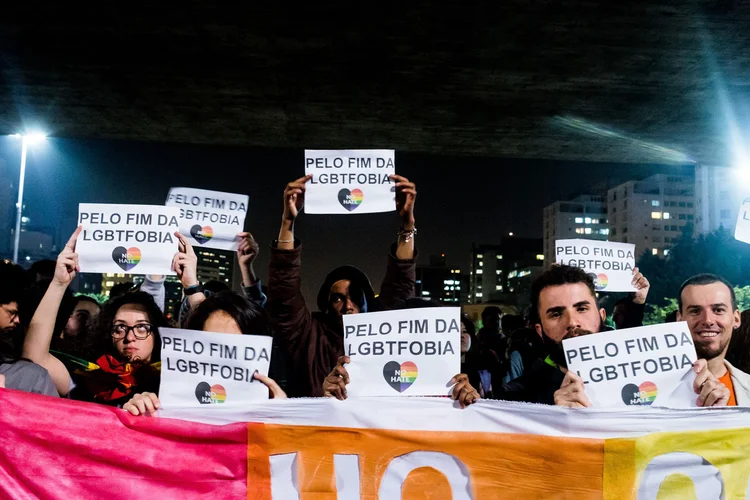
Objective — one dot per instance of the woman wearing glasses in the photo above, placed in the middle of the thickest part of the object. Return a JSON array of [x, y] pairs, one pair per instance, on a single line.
[[126, 341]]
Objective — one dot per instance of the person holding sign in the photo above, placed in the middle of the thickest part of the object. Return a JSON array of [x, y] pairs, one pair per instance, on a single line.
[[708, 304], [315, 340], [127, 338], [224, 312]]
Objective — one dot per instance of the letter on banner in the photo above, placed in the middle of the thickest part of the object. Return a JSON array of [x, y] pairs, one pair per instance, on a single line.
[[706, 478], [454, 470]]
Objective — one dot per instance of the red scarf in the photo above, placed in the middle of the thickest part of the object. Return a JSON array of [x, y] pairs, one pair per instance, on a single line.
[[117, 379]]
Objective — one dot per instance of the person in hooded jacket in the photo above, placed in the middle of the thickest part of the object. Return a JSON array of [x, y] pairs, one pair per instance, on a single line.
[[314, 340]]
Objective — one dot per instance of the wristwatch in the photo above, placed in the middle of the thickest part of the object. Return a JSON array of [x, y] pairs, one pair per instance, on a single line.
[[193, 289]]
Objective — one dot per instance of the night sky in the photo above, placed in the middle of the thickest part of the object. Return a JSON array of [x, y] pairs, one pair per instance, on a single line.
[[460, 200]]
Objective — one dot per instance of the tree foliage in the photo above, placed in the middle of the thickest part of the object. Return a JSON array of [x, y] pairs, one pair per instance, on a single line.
[[717, 253]]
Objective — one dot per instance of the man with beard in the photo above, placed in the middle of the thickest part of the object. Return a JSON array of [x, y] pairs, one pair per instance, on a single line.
[[708, 304], [563, 305]]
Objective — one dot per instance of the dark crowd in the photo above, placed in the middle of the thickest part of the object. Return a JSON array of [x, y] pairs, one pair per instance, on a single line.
[[61, 345]]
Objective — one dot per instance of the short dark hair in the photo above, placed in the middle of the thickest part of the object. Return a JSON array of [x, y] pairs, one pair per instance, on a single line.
[[103, 329], [491, 310], [12, 282], [44, 268], [555, 276], [706, 279], [86, 298], [250, 317]]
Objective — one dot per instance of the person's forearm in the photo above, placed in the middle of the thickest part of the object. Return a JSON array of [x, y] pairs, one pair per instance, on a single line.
[[286, 235], [195, 299], [248, 275], [404, 248]]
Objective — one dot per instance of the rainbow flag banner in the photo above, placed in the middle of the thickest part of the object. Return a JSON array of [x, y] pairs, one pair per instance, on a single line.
[[377, 448]]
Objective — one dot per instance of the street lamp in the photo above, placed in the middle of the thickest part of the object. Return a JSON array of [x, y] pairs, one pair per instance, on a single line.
[[26, 139]]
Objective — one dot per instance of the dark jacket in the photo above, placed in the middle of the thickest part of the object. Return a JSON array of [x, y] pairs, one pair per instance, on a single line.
[[314, 341], [537, 385]]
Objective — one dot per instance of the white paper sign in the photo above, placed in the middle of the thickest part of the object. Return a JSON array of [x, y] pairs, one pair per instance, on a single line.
[[210, 219], [742, 231], [130, 239], [201, 369], [649, 365], [610, 264], [349, 181], [410, 352]]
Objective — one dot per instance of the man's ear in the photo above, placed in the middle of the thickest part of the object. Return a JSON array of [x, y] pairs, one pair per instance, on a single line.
[[538, 329], [603, 314], [679, 315]]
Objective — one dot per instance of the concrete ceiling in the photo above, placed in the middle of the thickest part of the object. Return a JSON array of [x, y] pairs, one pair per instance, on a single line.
[[641, 81]]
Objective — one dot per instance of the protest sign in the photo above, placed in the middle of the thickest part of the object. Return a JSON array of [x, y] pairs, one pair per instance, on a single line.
[[649, 365], [210, 219], [207, 368], [609, 264], [350, 181], [742, 230], [412, 352], [130, 239]]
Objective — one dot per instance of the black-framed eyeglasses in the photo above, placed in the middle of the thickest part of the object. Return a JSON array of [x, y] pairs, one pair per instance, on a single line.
[[141, 331], [13, 313]]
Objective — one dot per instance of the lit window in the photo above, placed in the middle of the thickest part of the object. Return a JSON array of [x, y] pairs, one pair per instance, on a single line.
[[654, 251], [480, 271], [109, 283], [579, 230], [654, 203], [499, 271], [481, 264], [604, 231], [446, 288], [110, 275], [499, 257], [579, 220], [587, 220], [426, 293], [666, 252], [512, 274], [539, 256], [499, 288], [666, 215], [587, 231], [479, 294], [656, 215], [479, 256]]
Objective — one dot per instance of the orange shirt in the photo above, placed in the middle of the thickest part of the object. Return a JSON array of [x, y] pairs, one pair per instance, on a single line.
[[727, 381]]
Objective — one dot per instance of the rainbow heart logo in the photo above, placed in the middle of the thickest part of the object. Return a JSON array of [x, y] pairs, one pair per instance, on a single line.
[[601, 281], [201, 234], [351, 199], [400, 376], [126, 258], [639, 395], [210, 394]]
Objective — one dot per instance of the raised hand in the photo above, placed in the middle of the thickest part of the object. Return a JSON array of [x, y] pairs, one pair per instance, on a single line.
[[67, 262], [185, 262]]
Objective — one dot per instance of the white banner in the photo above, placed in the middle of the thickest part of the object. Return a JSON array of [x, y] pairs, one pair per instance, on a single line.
[[206, 368], [130, 239], [742, 231], [349, 181], [649, 365], [412, 352], [210, 219], [610, 264]]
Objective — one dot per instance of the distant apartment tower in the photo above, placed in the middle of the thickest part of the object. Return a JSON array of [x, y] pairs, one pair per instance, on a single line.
[[651, 213], [498, 270], [439, 282], [216, 265], [718, 196], [582, 217]]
